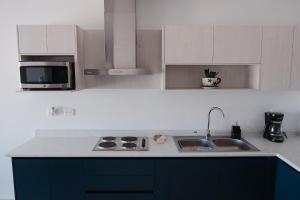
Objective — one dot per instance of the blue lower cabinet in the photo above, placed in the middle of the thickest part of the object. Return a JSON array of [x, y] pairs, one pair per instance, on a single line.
[[67, 179], [218, 178], [247, 179], [83, 179], [32, 179], [154, 179], [189, 179], [287, 182]]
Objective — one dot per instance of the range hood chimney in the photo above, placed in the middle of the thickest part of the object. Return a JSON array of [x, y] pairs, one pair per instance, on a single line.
[[120, 37]]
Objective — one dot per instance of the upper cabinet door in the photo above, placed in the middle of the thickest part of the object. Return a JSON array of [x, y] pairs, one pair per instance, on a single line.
[[32, 39], [276, 57], [61, 39], [188, 44], [295, 81], [237, 44]]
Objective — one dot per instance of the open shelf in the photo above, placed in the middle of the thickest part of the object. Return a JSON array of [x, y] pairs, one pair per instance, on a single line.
[[233, 77]]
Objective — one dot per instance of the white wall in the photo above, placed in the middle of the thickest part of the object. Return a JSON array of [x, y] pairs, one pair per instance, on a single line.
[[22, 113]]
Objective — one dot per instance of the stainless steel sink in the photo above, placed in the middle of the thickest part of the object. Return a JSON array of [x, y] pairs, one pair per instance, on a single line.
[[229, 144], [215, 144], [195, 145]]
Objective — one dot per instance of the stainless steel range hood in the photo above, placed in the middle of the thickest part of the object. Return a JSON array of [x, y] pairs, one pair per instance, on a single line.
[[120, 37]]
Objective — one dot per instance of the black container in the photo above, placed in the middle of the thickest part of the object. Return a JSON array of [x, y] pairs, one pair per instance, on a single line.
[[236, 132]]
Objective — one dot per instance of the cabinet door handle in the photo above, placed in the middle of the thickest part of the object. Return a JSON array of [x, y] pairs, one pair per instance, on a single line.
[[119, 192]]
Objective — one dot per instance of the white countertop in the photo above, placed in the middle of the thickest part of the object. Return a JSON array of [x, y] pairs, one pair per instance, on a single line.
[[81, 144]]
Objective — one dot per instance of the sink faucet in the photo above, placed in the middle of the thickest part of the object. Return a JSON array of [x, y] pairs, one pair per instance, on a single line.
[[208, 135]]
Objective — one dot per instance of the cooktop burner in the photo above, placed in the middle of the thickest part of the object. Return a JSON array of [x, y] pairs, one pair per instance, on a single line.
[[129, 139], [107, 145], [128, 143], [108, 138]]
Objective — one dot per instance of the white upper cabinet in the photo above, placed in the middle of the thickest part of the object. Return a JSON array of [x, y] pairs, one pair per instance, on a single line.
[[295, 77], [237, 44], [61, 39], [277, 53], [188, 44], [47, 39], [32, 39], [208, 44]]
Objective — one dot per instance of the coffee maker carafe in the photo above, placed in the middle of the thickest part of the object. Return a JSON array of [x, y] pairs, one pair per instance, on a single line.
[[273, 123]]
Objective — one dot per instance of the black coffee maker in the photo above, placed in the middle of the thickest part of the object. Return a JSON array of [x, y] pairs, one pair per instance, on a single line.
[[273, 123]]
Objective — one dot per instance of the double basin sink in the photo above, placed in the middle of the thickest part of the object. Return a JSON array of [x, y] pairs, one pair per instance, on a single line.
[[214, 144]]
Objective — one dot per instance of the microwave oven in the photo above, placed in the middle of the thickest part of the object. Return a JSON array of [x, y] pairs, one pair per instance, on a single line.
[[47, 75]]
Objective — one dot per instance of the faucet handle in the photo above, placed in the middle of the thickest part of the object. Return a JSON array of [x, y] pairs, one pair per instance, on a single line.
[[208, 135]]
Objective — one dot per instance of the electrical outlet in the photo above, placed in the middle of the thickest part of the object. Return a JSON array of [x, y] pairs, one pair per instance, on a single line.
[[69, 112], [60, 111]]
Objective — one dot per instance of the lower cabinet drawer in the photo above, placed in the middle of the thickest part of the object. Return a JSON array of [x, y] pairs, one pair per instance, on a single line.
[[119, 196], [118, 183], [119, 166]]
